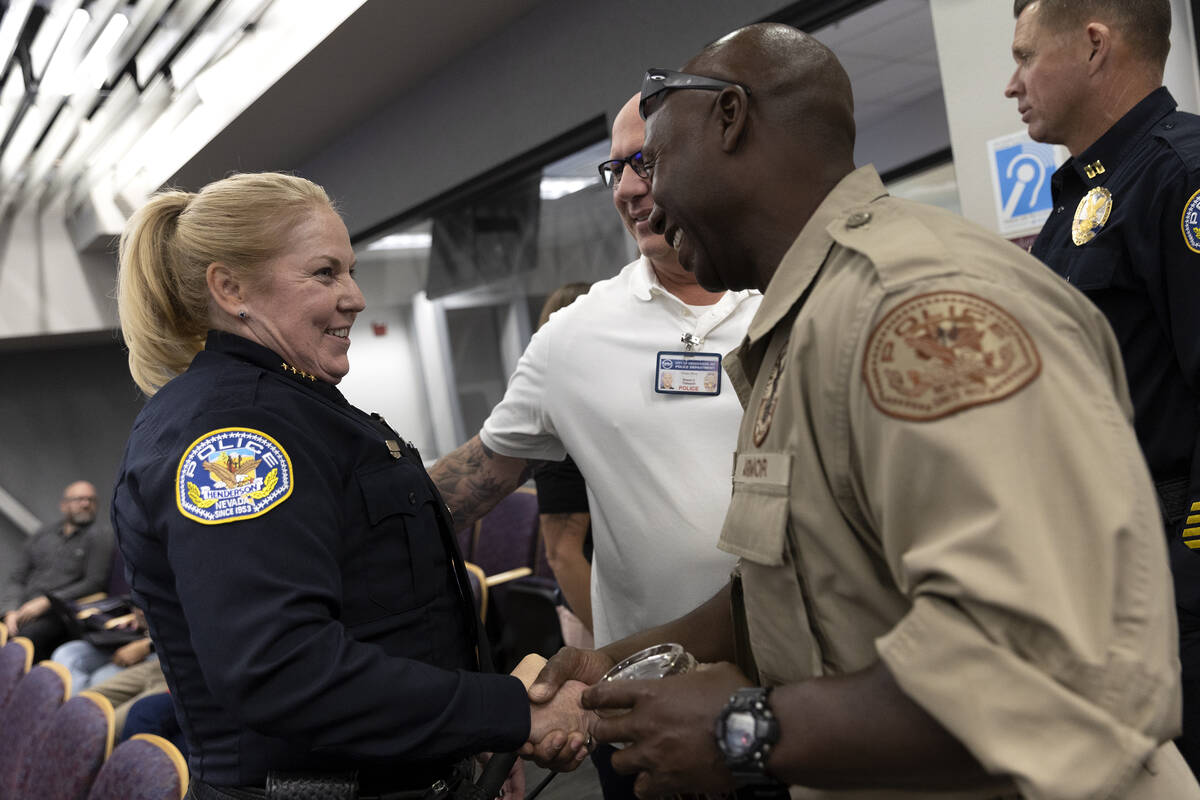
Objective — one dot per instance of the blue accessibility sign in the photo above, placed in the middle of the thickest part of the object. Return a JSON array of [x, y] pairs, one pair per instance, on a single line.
[[1021, 176]]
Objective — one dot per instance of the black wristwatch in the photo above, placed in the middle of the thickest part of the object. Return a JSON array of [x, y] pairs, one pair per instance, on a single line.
[[746, 732]]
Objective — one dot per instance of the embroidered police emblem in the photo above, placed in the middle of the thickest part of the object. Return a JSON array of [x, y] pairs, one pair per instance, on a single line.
[[943, 352], [231, 474], [1191, 223], [1091, 214], [770, 398]]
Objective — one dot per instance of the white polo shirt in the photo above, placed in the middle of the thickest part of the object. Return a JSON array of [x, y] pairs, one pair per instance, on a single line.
[[657, 466]]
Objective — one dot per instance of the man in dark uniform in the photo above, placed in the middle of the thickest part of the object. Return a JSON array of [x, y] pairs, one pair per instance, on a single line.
[[1125, 229]]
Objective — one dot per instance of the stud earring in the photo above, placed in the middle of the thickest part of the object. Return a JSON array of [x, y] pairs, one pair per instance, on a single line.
[[242, 313]]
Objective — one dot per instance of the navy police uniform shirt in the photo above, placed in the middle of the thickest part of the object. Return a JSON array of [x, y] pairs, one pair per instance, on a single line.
[[1125, 229], [302, 587]]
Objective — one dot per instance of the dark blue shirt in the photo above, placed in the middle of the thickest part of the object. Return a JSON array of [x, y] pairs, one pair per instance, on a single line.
[[1142, 268], [296, 568]]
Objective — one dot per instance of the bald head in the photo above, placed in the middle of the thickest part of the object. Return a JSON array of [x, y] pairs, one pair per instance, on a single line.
[[628, 123], [796, 82]]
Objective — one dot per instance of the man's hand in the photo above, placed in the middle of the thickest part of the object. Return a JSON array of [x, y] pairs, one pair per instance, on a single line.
[[132, 653], [11, 622], [569, 663], [668, 729], [33, 609]]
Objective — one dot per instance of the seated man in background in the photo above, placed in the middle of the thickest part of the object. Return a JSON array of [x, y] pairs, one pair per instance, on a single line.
[[70, 558], [591, 383]]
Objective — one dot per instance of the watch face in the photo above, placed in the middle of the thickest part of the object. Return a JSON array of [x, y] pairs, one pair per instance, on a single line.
[[739, 733]]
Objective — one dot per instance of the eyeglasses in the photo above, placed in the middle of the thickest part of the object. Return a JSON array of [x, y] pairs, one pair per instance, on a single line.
[[82, 498], [659, 81], [610, 171]]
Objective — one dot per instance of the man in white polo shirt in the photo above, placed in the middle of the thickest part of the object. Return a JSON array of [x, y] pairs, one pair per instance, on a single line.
[[628, 381]]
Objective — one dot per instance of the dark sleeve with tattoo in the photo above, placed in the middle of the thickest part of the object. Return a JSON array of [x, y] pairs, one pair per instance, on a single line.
[[473, 478]]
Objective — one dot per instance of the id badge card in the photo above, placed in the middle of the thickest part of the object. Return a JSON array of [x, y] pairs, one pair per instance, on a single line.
[[687, 373]]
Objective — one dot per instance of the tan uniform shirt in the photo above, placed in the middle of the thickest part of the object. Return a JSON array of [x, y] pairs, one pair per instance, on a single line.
[[936, 469]]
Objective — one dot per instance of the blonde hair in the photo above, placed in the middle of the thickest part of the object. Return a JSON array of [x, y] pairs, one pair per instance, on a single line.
[[162, 289]]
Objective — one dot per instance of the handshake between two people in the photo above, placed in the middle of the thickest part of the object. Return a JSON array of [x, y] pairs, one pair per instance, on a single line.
[[665, 727]]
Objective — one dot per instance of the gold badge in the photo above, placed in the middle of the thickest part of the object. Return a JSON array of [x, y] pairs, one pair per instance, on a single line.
[[1091, 214], [943, 352], [766, 407]]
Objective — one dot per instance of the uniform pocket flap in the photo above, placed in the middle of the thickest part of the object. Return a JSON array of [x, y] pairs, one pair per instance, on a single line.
[[756, 526], [1092, 268], [388, 489]]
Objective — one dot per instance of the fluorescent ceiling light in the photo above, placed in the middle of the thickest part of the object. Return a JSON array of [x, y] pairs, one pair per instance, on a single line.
[[178, 23], [26, 135], [49, 34], [10, 29], [157, 140], [57, 77], [93, 70], [220, 31], [142, 19], [11, 95], [403, 241], [554, 188]]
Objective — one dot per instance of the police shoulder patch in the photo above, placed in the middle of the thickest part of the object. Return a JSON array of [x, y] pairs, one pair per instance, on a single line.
[[230, 474], [1190, 223], [942, 352]]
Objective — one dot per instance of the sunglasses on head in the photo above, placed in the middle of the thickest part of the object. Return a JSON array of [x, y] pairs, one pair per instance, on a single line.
[[658, 82]]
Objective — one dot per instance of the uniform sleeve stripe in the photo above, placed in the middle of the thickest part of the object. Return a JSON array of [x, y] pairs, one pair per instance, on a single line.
[[1194, 544], [1193, 520], [1187, 532], [1195, 506]]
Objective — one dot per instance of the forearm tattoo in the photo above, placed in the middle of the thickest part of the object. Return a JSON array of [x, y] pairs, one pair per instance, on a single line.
[[473, 478]]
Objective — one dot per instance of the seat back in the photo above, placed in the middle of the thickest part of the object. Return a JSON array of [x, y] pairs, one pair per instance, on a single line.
[[146, 767], [507, 536], [16, 657], [26, 718], [75, 745]]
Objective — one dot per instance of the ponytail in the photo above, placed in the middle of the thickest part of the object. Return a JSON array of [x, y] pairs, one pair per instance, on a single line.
[[157, 297]]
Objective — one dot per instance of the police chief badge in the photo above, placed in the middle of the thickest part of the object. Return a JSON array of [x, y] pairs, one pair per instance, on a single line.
[[770, 397], [1191, 223], [1091, 214], [231, 474], [942, 352]]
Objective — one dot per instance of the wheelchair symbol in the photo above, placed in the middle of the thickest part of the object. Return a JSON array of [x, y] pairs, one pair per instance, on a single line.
[[1030, 167]]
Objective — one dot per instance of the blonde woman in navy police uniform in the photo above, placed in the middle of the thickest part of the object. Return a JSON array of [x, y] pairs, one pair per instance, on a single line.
[[293, 558]]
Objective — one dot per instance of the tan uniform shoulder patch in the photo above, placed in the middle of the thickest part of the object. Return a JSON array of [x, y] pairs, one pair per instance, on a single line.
[[939, 353]]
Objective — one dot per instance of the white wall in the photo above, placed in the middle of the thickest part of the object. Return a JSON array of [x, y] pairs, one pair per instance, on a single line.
[[385, 375], [974, 41], [45, 286]]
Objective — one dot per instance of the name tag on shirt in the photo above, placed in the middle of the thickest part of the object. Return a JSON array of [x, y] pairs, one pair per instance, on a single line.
[[687, 373]]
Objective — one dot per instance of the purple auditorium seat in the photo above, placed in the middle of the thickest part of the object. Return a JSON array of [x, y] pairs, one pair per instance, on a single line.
[[146, 767], [74, 747], [26, 718], [506, 537], [15, 659]]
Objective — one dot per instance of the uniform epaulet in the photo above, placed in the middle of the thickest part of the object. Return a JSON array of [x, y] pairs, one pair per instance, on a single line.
[[1181, 131], [234, 390], [895, 236]]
